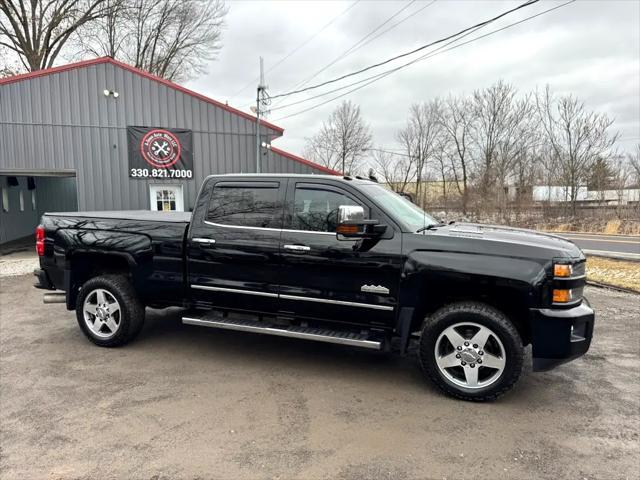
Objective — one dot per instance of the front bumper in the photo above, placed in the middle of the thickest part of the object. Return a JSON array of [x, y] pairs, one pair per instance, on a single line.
[[558, 336]]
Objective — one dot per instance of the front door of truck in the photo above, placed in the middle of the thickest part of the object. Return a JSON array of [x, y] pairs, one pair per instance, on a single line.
[[233, 244], [326, 278]]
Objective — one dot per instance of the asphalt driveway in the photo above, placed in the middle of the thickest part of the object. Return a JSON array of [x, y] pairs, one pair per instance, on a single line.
[[185, 402]]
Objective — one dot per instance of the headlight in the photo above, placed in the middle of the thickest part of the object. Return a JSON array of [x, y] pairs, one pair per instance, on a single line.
[[561, 270], [568, 282]]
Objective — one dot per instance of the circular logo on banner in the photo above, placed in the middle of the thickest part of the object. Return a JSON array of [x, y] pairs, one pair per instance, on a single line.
[[160, 148]]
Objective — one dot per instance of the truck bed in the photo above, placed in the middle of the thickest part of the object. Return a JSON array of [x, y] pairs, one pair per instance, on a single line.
[[150, 244]]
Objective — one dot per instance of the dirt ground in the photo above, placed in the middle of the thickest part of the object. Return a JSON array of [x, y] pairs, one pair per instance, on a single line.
[[185, 402]]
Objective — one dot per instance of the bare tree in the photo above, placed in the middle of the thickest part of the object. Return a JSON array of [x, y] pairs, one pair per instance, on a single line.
[[499, 132], [577, 136], [396, 170], [173, 39], [527, 167], [9, 63], [342, 142], [444, 169], [37, 30], [549, 167], [634, 163], [456, 119], [419, 139], [106, 36]]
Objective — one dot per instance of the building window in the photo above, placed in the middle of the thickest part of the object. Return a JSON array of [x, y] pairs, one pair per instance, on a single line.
[[21, 197], [250, 206], [166, 200], [5, 199], [33, 200]]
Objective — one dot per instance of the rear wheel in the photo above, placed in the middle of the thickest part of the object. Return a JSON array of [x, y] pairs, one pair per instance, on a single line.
[[471, 351], [108, 311]]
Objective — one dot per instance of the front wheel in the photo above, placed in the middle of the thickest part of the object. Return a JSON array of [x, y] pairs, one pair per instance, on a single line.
[[108, 310], [471, 351]]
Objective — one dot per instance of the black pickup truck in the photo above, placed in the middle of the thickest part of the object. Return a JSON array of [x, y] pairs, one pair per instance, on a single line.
[[330, 259]]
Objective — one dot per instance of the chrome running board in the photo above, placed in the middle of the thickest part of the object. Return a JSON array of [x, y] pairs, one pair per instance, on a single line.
[[306, 333]]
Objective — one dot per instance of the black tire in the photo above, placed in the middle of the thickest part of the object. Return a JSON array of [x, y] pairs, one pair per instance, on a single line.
[[131, 318], [481, 314]]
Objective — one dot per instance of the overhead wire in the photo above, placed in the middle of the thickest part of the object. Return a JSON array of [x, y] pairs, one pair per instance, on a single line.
[[409, 53], [297, 49], [379, 76], [364, 40]]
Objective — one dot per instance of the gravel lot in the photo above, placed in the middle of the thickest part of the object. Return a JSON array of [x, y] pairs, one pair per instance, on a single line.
[[18, 263], [185, 402]]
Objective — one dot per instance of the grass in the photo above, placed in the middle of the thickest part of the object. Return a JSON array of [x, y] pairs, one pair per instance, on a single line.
[[618, 273], [611, 227]]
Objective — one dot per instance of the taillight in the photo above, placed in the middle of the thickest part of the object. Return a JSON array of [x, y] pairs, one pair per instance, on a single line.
[[40, 240]]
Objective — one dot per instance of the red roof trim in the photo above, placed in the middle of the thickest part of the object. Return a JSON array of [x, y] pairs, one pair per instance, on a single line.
[[304, 161], [137, 71], [48, 71]]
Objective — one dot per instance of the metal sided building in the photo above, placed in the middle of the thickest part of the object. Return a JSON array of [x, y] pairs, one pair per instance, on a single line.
[[102, 135]]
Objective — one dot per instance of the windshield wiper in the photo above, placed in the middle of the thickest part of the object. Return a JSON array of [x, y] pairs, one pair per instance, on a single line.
[[431, 226]]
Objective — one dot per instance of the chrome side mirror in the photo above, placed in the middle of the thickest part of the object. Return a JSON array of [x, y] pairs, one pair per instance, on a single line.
[[350, 214], [352, 223]]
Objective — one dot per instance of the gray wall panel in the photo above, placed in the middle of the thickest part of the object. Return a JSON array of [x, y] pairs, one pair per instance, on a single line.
[[55, 195], [73, 125]]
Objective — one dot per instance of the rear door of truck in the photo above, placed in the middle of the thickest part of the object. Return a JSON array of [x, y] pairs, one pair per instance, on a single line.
[[233, 244]]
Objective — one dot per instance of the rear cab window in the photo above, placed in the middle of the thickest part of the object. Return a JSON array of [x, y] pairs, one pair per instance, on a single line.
[[246, 204]]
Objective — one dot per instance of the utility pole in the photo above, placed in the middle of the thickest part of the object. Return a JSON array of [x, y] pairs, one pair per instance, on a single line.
[[259, 100]]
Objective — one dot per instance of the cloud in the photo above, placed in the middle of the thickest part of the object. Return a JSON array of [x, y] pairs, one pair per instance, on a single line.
[[589, 49]]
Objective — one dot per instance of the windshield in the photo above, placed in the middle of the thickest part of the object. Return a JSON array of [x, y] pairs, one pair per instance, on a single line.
[[408, 214]]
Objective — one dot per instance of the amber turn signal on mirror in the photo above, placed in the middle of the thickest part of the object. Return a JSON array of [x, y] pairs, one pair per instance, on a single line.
[[347, 229]]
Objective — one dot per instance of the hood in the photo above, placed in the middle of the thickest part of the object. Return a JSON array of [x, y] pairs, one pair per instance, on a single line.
[[503, 241]]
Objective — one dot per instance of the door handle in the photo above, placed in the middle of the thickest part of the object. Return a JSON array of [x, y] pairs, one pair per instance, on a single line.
[[204, 242], [297, 248]]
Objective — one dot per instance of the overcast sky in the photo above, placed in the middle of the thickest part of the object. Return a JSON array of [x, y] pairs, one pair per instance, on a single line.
[[588, 48]]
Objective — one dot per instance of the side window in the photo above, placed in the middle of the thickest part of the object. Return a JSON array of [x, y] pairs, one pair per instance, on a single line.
[[246, 206], [317, 210]]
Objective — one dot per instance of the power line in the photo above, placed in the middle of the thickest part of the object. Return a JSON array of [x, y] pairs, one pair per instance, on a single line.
[[298, 48], [382, 74], [406, 54], [359, 44], [413, 14], [390, 152], [377, 77]]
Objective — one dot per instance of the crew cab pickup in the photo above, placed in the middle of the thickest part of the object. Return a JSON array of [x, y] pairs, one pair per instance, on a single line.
[[330, 259]]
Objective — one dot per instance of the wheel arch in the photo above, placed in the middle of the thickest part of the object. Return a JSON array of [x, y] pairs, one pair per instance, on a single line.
[[84, 265], [511, 298]]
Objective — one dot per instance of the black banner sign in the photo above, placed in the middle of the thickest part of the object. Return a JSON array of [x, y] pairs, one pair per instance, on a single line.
[[160, 152]]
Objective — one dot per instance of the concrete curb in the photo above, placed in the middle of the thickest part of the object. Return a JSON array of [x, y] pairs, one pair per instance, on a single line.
[[611, 287], [594, 234], [634, 257]]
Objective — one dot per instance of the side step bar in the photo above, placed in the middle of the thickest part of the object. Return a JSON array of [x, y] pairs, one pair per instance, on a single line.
[[307, 333]]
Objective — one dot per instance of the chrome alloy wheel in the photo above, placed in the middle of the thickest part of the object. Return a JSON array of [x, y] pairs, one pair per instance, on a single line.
[[470, 355], [102, 313]]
